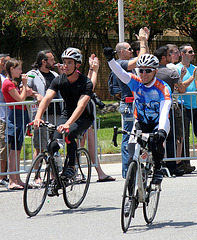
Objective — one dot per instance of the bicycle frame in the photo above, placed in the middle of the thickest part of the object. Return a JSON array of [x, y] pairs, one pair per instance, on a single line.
[[137, 158], [138, 187]]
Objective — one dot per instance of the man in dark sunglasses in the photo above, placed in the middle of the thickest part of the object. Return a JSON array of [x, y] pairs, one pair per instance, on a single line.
[[189, 101]]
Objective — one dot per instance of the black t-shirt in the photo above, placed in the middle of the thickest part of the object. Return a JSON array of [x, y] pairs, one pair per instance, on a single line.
[[49, 78], [71, 92]]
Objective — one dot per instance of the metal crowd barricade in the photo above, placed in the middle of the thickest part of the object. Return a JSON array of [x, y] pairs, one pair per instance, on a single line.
[[192, 137], [192, 150], [25, 162]]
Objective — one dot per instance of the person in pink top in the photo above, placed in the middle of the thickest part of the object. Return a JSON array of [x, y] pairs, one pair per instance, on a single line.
[[16, 120]]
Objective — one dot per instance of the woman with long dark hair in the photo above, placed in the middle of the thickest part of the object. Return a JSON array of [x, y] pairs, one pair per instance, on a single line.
[[16, 119]]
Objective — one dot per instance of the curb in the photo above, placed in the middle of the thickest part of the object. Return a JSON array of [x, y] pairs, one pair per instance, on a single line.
[[110, 158]]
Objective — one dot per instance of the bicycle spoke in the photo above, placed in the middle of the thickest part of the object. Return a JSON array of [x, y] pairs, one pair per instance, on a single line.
[[129, 200], [151, 202], [75, 190], [36, 185]]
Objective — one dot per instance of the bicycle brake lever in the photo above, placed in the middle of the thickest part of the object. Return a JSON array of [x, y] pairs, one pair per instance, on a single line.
[[66, 136], [29, 129]]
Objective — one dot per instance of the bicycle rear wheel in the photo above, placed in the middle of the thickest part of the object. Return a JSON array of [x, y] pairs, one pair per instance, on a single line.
[[151, 200], [36, 185], [75, 190], [129, 200]]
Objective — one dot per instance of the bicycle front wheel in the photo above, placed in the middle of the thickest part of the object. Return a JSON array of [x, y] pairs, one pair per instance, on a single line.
[[75, 190], [129, 200], [151, 200], [36, 185]]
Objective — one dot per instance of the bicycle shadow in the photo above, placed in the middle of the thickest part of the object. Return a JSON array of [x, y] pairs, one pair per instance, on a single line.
[[159, 225], [82, 210]]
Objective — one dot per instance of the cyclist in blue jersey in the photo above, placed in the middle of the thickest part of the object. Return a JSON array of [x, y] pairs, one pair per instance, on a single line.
[[152, 101]]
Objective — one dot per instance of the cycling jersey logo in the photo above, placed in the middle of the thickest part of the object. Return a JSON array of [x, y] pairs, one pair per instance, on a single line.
[[147, 105], [149, 112]]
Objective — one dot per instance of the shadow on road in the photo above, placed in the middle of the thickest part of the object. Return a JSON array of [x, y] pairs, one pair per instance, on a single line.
[[97, 208], [159, 225]]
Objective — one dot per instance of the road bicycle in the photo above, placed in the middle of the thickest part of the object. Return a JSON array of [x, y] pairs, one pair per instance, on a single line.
[[44, 177], [138, 187]]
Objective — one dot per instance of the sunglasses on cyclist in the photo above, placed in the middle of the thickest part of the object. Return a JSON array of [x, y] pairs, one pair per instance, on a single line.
[[147, 70], [191, 52]]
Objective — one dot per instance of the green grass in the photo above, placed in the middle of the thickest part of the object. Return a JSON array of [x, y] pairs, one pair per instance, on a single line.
[[109, 120], [104, 137], [105, 133]]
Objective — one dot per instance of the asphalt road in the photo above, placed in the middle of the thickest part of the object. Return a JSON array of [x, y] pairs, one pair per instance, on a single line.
[[98, 217]]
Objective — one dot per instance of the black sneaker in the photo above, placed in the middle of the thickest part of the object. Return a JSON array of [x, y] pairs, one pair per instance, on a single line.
[[186, 167], [69, 173], [177, 172], [157, 176]]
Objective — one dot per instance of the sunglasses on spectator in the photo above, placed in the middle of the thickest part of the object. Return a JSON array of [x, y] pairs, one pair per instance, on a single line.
[[130, 49], [191, 51], [147, 70]]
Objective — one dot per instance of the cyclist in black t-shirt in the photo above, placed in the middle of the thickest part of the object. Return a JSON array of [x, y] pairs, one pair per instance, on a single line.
[[77, 115]]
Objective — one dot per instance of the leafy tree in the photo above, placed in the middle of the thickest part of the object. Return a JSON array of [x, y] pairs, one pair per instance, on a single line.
[[160, 15], [63, 23]]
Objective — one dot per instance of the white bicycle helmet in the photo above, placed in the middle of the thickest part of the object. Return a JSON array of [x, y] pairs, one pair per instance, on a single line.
[[147, 60], [72, 53]]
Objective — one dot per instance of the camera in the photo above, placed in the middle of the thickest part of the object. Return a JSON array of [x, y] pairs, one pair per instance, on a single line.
[[97, 101]]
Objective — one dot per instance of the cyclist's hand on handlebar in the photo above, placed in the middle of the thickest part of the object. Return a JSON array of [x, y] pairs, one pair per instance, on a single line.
[[159, 138], [37, 122], [62, 127]]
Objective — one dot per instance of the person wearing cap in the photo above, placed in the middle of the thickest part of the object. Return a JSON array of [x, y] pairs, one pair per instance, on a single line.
[[77, 115], [152, 100]]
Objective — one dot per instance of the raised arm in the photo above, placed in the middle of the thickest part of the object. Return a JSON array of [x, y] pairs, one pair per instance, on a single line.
[[143, 39], [93, 70], [124, 76]]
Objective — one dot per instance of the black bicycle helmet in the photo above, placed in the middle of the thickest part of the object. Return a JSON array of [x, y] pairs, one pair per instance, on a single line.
[[72, 53], [147, 60]]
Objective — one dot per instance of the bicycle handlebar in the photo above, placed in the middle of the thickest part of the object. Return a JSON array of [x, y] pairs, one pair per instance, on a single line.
[[50, 127], [138, 134], [116, 132]]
